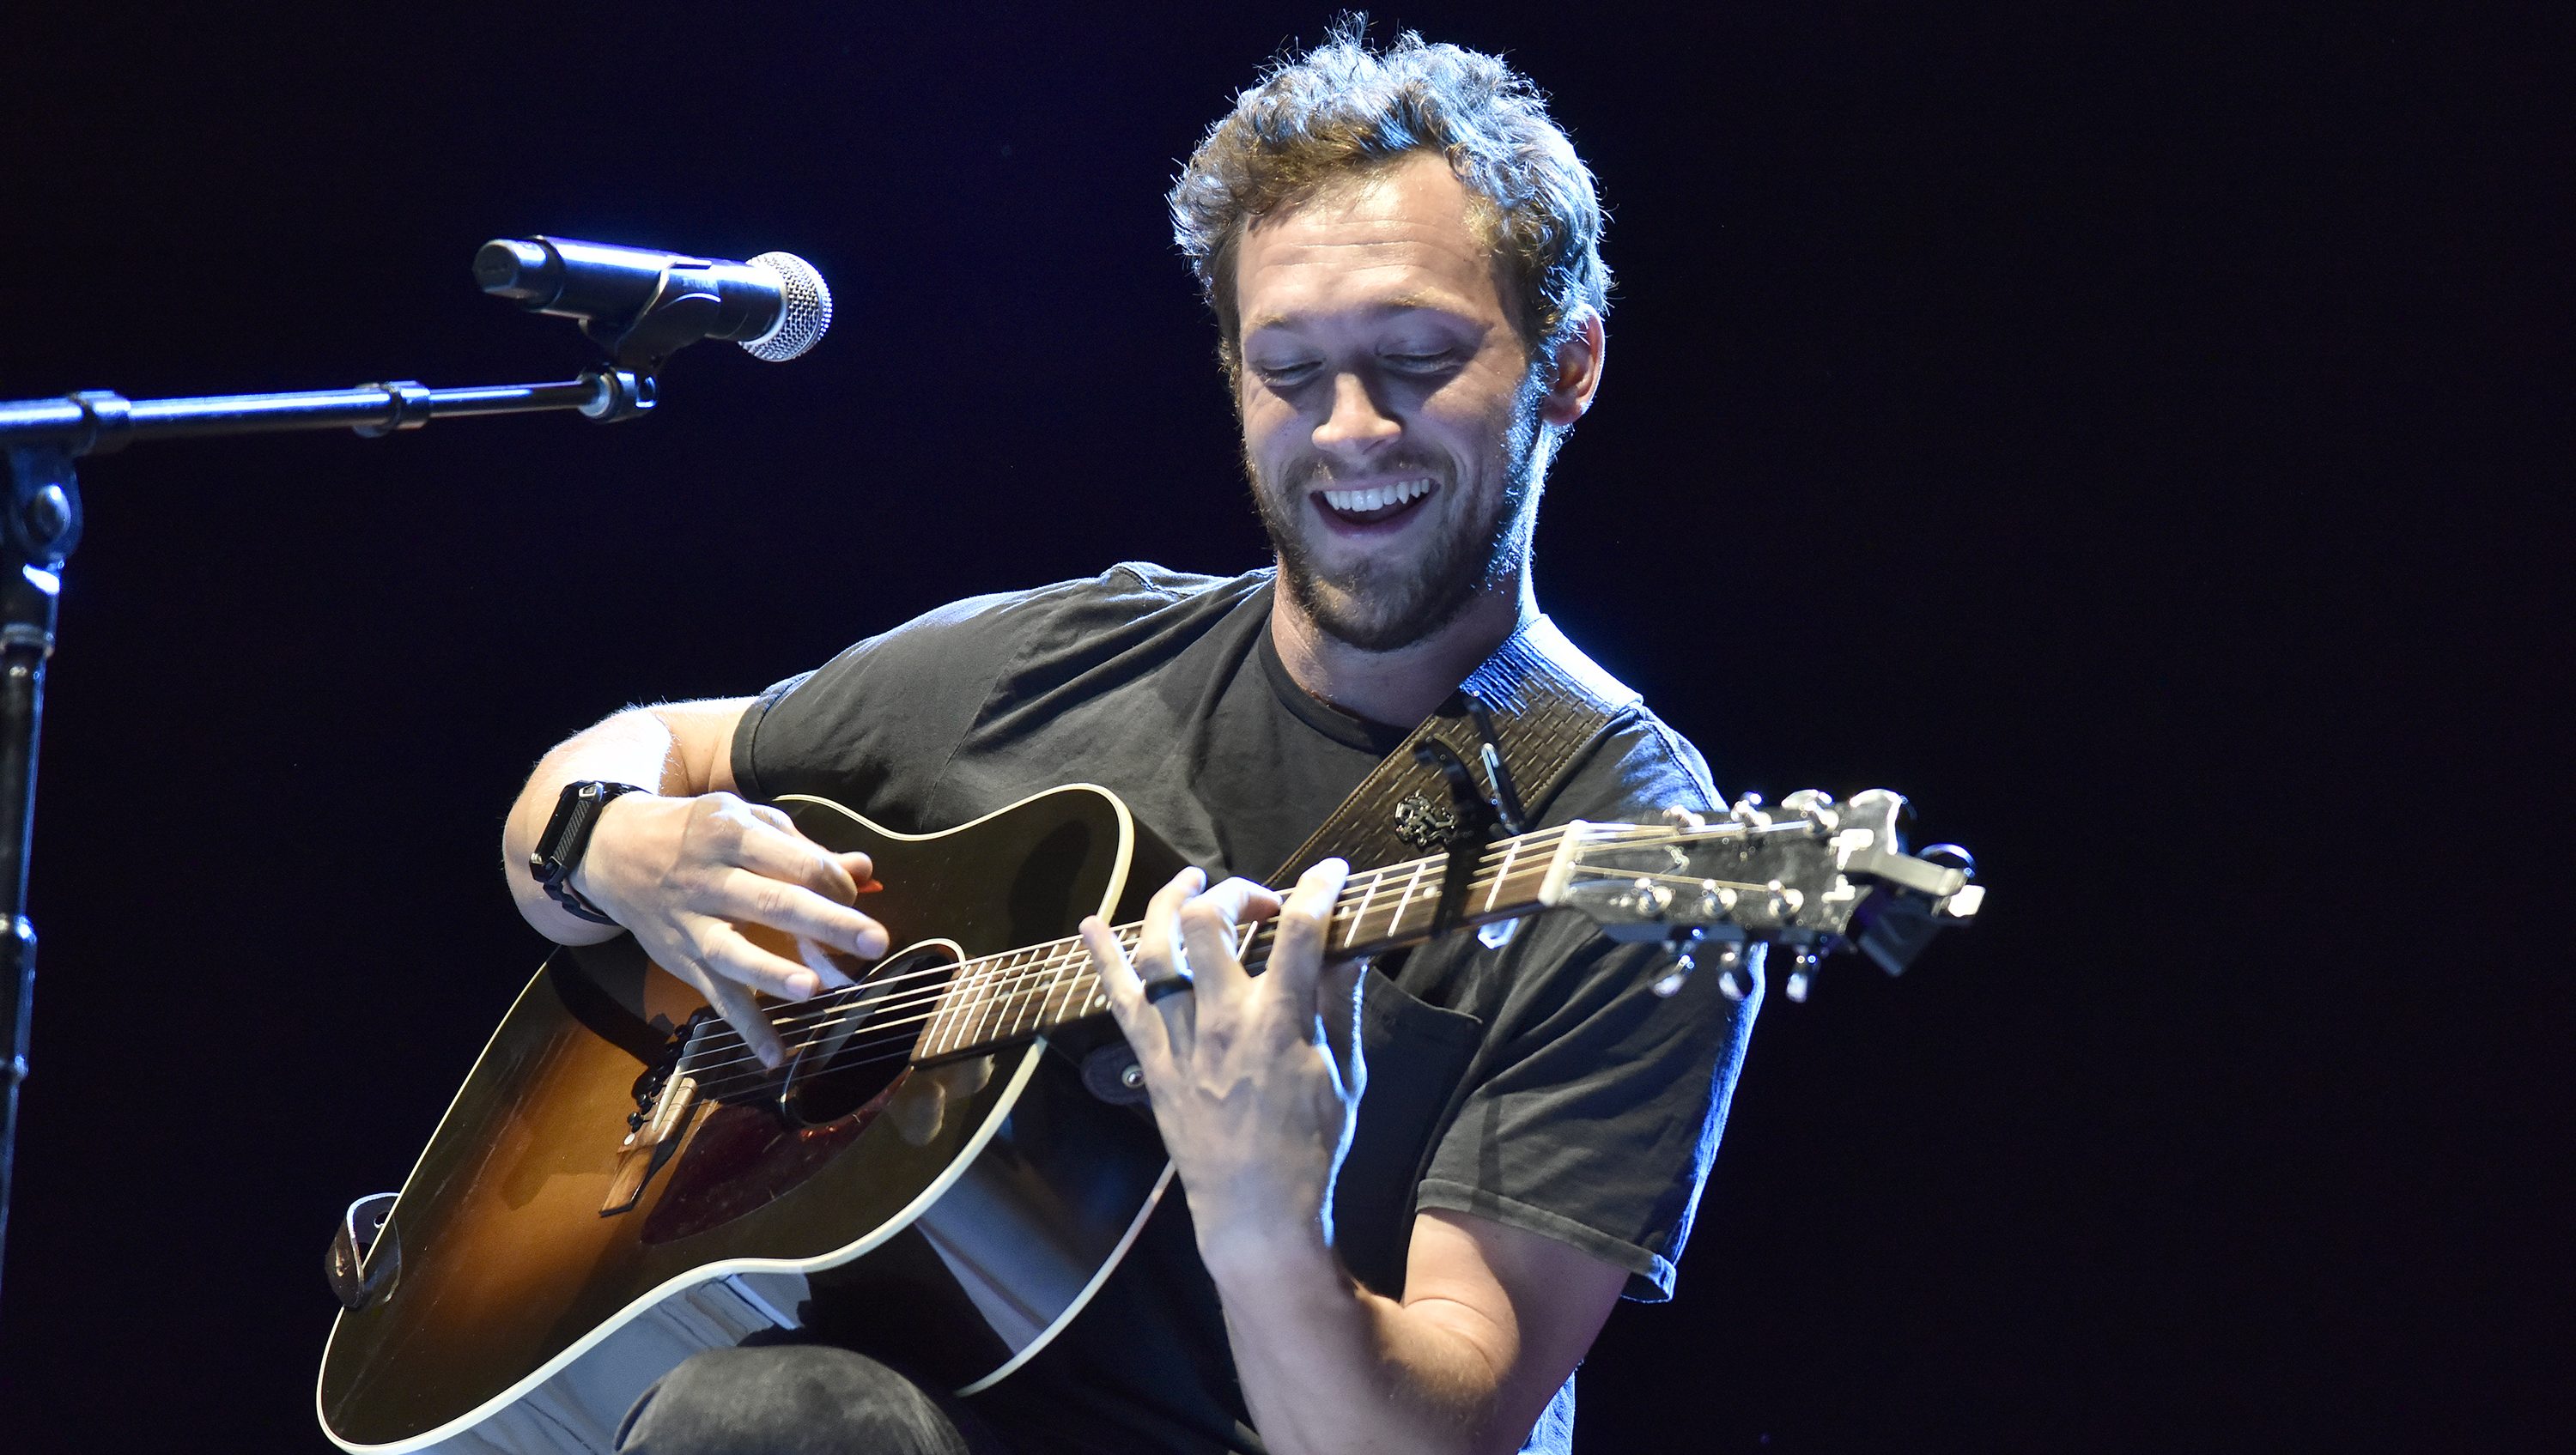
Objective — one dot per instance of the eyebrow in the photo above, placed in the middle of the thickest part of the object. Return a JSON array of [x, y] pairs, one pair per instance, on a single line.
[[1405, 303]]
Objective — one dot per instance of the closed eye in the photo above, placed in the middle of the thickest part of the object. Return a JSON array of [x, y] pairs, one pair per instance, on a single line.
[[1284, 376]]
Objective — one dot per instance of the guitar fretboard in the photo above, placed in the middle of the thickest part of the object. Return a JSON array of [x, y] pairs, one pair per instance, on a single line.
[[1025, 992]]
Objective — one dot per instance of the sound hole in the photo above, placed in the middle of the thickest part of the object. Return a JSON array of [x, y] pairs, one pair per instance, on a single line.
[[853, 1052]]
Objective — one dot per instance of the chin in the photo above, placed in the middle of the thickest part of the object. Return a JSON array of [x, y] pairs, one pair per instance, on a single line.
[[1378, 615]]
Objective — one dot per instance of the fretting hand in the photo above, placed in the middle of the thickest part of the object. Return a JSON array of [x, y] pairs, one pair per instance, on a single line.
[[1255, 1080]]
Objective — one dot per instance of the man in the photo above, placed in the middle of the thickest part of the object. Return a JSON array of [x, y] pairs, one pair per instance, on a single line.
[[1401, 253]]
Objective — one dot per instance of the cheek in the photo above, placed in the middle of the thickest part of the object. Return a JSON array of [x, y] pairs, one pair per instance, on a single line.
[[1477, 398], [1269, 425]]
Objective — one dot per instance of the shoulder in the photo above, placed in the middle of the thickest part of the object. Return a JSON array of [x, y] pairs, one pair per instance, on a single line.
[[910, 695], [1638, 768], [1639, 765], [1124, 594]]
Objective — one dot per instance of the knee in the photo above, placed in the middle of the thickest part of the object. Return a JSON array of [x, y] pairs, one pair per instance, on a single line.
[[791, 1399]]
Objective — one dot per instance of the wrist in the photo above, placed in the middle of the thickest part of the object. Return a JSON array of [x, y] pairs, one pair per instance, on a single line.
[[1250, 1259], [562, 850], [613, 839]]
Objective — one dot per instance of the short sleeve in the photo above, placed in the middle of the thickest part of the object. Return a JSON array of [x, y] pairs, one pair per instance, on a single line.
[[1592, 1112], [877, 724]]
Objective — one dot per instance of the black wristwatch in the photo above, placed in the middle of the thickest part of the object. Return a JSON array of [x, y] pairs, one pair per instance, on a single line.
[[559, 848]]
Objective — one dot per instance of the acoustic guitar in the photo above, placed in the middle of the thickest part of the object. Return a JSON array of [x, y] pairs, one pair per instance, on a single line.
[[959, 1133]]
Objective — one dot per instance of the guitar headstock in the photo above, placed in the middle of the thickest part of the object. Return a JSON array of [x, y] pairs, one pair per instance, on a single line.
[[1810, 875]]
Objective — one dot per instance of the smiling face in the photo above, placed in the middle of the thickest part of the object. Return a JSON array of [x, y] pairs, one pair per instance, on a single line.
[[1391, 421]]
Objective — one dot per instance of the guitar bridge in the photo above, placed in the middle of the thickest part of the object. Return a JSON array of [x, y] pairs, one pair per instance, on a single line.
[[665, 1099]]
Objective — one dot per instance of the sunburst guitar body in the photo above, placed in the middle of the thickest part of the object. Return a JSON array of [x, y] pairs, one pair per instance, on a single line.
[[538, 1271]]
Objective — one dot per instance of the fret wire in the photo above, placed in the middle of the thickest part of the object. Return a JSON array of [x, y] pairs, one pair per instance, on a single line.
[[1395, 921], [1029, 987], [997, 1003], [1053, 974], [1077, 974], [929, 1039], [1023, 977], [970, 992], [970, 1004], [1511, 847], [1357, 930], [994, 993], [1029, 992], [1014, 996], [1037, 982], [1368, 892], [988, 985]]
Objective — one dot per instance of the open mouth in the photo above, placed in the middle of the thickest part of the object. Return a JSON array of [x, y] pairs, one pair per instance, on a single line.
[[1375, 504]]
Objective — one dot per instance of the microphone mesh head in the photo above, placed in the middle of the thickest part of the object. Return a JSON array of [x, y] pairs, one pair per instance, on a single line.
[[805, 309]]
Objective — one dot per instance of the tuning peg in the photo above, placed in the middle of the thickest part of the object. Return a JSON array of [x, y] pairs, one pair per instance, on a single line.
[[1817, 806], [1748, 810], [1671, 983], [1728, 957], [1802, 974], [1683, 946], [1682, 818], [1731, 968]]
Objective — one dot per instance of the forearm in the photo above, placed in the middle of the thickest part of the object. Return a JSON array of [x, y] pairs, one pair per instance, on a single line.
[[1329, 1368], [670, 749]]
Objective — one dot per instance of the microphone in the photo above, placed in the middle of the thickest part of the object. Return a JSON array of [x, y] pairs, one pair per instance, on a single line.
[[643, 305]]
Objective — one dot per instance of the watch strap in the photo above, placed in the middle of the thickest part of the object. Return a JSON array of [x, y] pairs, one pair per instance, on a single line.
[[567, 837]]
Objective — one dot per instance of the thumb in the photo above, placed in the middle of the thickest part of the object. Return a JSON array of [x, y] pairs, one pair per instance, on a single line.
[[1340, 1003]]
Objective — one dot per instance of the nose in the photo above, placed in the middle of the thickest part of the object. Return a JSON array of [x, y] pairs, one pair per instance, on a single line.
[[1355, 424]]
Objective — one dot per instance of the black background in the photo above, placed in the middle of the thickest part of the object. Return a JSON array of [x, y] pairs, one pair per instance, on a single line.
[[2108, 426]]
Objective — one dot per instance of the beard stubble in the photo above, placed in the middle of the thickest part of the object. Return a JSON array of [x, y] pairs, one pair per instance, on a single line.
[[1380, 606]]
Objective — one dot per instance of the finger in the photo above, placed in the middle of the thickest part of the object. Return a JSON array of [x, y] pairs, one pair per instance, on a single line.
[[861, 869], [819, 960], [1339, 1008], [1144, 1027], [1211, 930], [774, 817], [1297, 955], [727, 952], [786, 854], [742, 894], [744, 1014], [1158, 950]]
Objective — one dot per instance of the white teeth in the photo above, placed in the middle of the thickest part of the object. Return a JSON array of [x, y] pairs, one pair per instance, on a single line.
[[1377, 497]]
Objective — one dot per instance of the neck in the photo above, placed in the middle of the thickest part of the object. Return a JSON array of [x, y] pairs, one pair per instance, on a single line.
[[1032, 990], [1402, 686]]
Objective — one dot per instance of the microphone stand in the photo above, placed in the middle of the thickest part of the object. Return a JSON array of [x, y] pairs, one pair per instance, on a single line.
[[42, 523]]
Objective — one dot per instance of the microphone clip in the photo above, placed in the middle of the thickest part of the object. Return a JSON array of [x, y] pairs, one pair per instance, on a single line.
[[681, 312]]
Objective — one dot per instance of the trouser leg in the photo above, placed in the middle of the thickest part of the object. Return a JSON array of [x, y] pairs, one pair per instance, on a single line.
[[792, 1399]]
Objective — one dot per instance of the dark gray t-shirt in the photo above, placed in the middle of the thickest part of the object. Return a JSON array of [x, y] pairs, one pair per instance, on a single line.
[[1539, 1085]]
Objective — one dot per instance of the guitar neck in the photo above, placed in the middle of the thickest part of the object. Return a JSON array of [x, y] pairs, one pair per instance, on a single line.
[[1008, 997]]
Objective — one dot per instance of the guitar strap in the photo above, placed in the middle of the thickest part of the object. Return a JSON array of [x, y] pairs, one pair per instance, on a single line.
[[1532, 708]]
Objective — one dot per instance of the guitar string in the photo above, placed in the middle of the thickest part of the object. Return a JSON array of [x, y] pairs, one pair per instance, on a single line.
[[1019, 993], [1016, 982], [1012, 1002], [840, 997], [1367, 883], [1011, 992], [841, 1058]]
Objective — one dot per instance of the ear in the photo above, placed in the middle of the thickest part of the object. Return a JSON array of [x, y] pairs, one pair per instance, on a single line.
[[1578, 374]]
